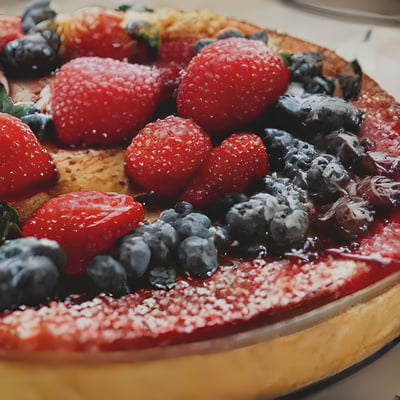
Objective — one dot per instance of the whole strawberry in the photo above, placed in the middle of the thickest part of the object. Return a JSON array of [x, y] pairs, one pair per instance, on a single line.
[[165, 154], [231, 167], [85, 224], [25, 167], [95, 31], [10, 29], [230, 83], [101, 101]]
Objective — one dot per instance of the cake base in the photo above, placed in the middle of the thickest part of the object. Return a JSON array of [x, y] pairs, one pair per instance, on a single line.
[[264, 362]]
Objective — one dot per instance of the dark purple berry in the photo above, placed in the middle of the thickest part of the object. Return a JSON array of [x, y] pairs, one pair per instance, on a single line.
[[305, 66], [134, 255], [108, 275], [35, 13]]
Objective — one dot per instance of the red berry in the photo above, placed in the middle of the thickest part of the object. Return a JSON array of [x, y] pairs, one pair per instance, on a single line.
[[25, 167], [230, 83], [165, 154], [95, 31], [100, 101], [173, 58], [85, 224], [231, 167], [10, 29]]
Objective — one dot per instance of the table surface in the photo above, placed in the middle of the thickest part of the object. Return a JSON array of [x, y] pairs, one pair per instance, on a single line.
[[377, 48]]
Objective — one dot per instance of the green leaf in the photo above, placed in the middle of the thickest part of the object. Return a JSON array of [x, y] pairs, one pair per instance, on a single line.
[[6, 103], [17, 110], [143, 30], [287, 58], [124, 7], [8, 222], [22, 109]]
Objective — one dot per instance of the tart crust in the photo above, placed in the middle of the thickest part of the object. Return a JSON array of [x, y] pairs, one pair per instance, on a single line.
[[265, 361]]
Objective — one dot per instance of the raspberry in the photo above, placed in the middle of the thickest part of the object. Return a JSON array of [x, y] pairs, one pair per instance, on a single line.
[[230, 83], [231, 167], [100, 101], [165, 154], [85, 224]]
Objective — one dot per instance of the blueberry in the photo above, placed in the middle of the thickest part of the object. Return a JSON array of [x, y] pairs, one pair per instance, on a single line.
[[198, 46], [183, 208], [35, 13], [194, 224], [30, 246], [260, 35], [350, 85], [161, 238], [306, 65], [198, 256], [134, 255], [218, 210], [288, 228], [42, 125], [30, 56], [108, 274], [220, 236], [162, 277], [36, 280], [321, 84], [230, 33], [316, 113], [247, 221]]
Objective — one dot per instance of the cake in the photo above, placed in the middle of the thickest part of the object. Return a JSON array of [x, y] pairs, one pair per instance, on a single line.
[[257, 323]]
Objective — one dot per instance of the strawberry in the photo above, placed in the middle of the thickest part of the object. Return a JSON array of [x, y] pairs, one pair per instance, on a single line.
[[25, 166], [95, 31], [10, 29], [85, 224], [230, 83], [100, 101], [173, 58], [165, 154], [231, 167]]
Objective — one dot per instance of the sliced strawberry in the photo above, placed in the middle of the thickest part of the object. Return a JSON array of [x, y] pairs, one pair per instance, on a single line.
[[85, 224], [10, 29], [230, 167], [99, 101], [95, 31], [165, 154], [230, 83], [25, 167]]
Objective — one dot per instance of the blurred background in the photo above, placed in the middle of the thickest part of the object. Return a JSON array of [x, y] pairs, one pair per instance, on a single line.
[[362, 29]]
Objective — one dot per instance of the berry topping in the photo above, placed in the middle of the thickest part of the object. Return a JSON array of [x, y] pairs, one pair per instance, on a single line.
[[25, 166], [85, 224], [230, 83], [29, 270], [231, 167], [134, 255], [8, 222], [165, 154], [98, 101], [95, 31]]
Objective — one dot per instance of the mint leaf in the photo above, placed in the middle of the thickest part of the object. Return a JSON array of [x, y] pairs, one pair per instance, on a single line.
[[8, 222], [17, 110], [6, 103], [287, 59], [144, 31]]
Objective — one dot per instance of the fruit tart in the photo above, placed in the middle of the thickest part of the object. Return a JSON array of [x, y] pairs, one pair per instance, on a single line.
[[191, 200]]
